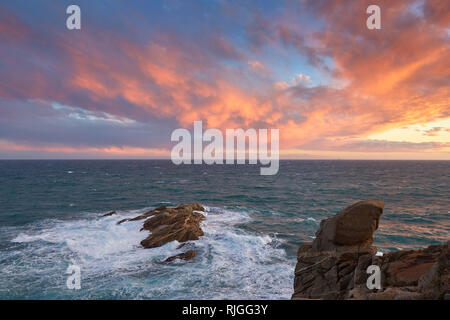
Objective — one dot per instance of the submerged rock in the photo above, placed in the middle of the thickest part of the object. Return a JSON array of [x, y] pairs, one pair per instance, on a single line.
[[334, 265], [112, 213], [188, 255], [166, 224]]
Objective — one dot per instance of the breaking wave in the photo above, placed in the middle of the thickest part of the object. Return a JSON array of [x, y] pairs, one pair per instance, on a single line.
[[230, 262]]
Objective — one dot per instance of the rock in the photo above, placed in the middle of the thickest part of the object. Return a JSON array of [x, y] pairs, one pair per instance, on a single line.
[[317, 276], [435, 284], [166, 224], [109, 214], [405, 295], [358, 293], [304, 247], [392, 294], [188, 255], [334, 265], [181, 223], [330, 261], [405, 268], [353, 226], [357, 223], [149, 213], [145, 215], [122, 221]]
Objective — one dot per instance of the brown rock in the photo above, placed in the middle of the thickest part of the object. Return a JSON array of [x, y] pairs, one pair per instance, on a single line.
[[357, 223], [352, 226], [358, 293], [179, 223], [304, 247], [435, 284], [166, 224], [388, 294], [148, 214], [360, 274], [334, 265], [109, 214], [188, 255], [122, 221], [407, 267]]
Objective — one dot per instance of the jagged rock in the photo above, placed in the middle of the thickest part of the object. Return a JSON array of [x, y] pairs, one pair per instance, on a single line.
[[181, 223], [395, 294], [405, 268], [328, 263], [188, 255], [122, 221], [109, 214], [435, 284], [166, 224], [334, 265], [145, 215], [353, 227]]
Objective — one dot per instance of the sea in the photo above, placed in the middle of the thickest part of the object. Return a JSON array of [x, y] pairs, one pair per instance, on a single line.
[[51, 219]]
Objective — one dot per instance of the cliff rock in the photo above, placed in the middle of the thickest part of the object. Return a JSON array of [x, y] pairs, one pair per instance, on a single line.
[[334, 265]]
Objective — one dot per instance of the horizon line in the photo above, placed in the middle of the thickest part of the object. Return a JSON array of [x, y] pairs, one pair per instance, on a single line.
[[168, 159]]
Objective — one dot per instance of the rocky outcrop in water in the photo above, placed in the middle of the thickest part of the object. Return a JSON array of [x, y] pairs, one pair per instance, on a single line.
[[166, 224], [188, 255], [181, 223], [334, 265], [112, 213]]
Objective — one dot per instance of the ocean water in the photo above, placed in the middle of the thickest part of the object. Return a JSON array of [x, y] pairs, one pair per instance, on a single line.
[[50, 218]]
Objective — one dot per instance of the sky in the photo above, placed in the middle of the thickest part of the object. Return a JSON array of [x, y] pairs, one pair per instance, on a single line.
[[137, 70]]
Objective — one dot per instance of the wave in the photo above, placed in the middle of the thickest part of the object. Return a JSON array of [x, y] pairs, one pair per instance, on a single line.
[[231, 263]]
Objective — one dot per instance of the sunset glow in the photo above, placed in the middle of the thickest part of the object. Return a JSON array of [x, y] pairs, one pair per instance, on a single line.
[[120, 86]]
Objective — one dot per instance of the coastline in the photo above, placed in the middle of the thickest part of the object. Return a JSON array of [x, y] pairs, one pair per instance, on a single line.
[[336, 264]]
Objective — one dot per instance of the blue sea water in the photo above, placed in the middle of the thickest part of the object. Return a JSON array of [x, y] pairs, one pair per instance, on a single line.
[[50, 218]]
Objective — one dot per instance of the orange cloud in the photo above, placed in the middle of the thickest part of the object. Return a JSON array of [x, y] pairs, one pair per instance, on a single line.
[[381, 79]]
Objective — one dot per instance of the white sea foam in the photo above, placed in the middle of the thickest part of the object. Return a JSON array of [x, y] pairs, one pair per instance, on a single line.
[[230, 262]]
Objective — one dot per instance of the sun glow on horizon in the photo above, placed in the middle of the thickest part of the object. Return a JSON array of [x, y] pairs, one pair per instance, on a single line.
[[435, 131]]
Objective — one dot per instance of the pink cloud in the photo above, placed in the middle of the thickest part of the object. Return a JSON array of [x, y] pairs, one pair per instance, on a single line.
[[389, 78]]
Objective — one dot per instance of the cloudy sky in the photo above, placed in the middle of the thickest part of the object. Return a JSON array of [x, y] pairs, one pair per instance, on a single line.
[[137, 70]]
